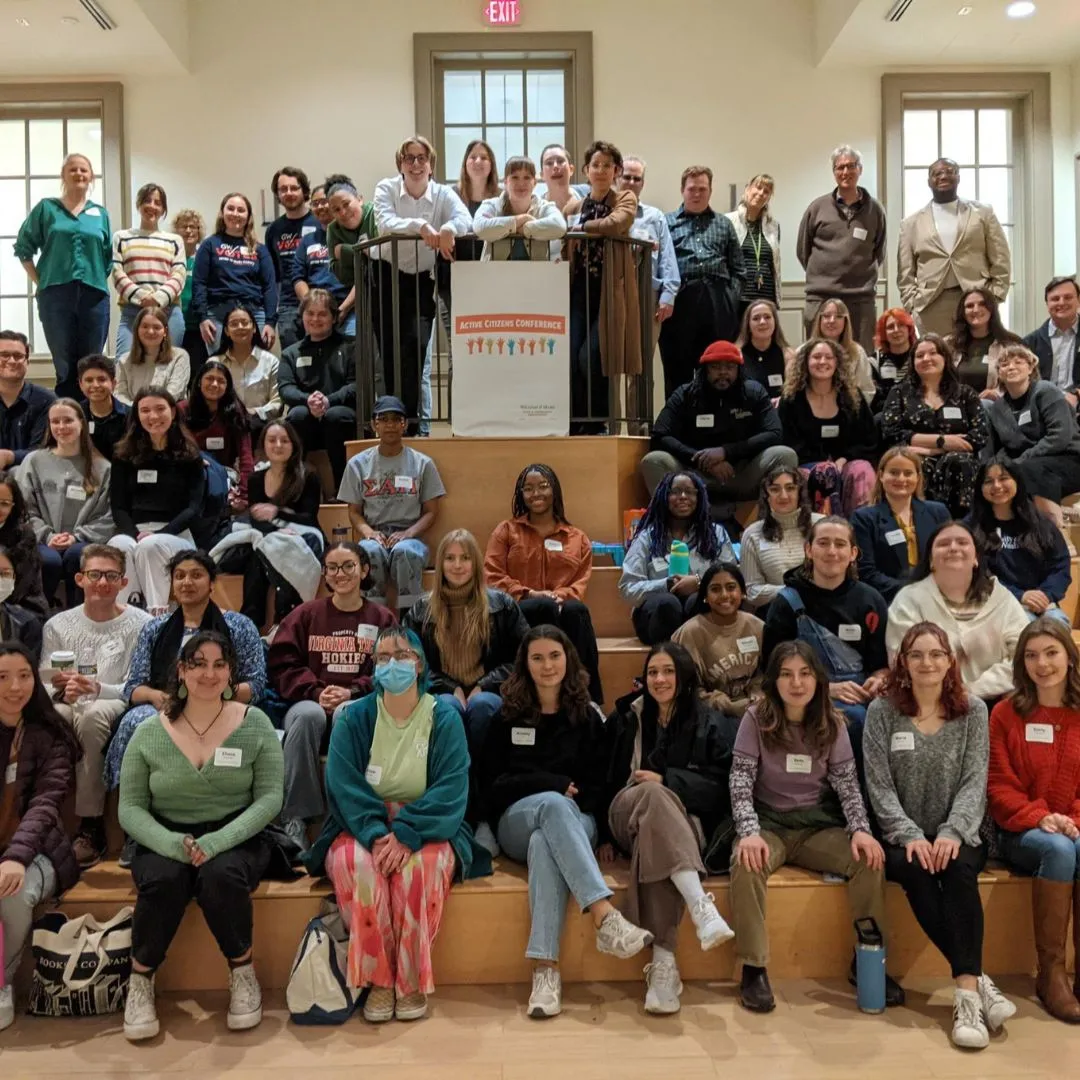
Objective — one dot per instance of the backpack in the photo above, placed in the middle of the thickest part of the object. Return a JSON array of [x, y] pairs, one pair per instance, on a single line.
[[215, 502], [318, 992]]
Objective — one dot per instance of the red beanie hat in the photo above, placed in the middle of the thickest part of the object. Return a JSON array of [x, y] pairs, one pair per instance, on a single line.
[[722, 352]]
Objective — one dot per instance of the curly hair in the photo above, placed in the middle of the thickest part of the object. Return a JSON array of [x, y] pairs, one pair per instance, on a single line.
[[954, 696], [175, 704], [40, 711], [822, 722], [843, 380], [982, 581], [518, 507], [520, 701], [770, 527], [656, 523], [1025, 698]]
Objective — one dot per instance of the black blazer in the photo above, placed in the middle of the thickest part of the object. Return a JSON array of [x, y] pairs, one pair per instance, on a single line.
[[1038, 341], [884, 565]]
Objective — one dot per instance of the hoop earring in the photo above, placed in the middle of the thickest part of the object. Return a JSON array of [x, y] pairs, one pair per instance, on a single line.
[[182, 692], [228, 693]]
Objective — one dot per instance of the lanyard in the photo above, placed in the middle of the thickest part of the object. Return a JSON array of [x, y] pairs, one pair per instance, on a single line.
[[757, 242]]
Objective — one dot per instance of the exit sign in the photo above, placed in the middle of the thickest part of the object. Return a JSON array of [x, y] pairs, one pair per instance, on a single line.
[[502, 13]]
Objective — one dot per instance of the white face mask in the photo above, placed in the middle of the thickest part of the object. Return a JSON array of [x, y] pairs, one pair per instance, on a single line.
[[7, 587]]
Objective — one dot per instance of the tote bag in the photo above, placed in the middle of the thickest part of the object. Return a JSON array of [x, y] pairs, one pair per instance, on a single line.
[[318, 992]]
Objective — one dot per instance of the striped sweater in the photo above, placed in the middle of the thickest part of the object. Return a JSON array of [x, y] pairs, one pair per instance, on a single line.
[[765, 562], [148, 264]]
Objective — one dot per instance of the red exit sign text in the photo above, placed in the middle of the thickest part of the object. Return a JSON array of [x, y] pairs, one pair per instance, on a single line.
[[502, 13]]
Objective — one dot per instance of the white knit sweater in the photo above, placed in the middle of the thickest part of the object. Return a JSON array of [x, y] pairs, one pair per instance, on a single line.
[[764, 562]]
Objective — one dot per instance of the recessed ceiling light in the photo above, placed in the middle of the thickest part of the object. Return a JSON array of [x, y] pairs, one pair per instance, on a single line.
[[70, 20], [1020, 9], [967, 9], [22, 22]]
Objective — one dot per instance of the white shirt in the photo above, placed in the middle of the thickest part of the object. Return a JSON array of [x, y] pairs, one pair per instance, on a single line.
[[1063, 343], [947, 222], [255, 382], [397, 212]]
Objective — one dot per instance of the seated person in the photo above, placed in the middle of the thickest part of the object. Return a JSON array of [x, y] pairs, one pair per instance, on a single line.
[[17, 623], [979, 340], [841, 618], [39, 751], [833, 323], [393, 493], [317, 381], [321, 658], [723, 426], [662, 599], [543, 778], [156, 490], [545, 563], [200, 782], [765, 351], [254, 370], [895, 337], [397, 781], [953, 588], [671, 760], [795, 799], [518, 224], [24, 407], [106, 417], [102, 634], [830, 427], [723, 640], [66, 488], [891, 533], [926, 753], [1033, 432], [1050, 343], [277, 544], [776, 542], [17, 539], [1033, 790], [153, 360], [1026, 551]]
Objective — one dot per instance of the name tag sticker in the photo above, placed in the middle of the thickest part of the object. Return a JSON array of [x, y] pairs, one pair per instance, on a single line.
[[799, 763], [146, 476], [93, 211], [215, 442], [403, 483], [986, 361], [1043, 733], [895, 536], [776, 380], [228, 757], [830, 431], [903, 740], [951, 412], [859, 233], [747, 644], [705, 419], [1025, 417], [11, 772], [552, 545], [76, 492], [366, 632], [849, 631], [373, 774], [303, 361], [659, 564], [523, 736], [90, 427], [888, 371]]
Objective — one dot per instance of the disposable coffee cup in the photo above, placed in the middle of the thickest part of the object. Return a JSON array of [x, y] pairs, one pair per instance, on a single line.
[[62, 661]]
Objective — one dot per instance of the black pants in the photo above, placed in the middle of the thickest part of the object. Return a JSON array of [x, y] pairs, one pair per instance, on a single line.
[[574, 620], [586, 366], [659, 615], [195, 347], [705, 311], [222, 887], [416, 316], [328, 432], [1050, 476], [946, 905], [259, 580]]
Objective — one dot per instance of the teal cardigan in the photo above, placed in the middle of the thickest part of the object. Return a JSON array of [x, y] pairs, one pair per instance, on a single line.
[[439, 814]]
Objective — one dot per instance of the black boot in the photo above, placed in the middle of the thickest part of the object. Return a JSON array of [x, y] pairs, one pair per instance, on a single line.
[[755, 993]]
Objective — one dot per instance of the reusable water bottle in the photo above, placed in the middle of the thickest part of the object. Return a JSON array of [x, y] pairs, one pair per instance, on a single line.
[[678, 563], [869, 966]]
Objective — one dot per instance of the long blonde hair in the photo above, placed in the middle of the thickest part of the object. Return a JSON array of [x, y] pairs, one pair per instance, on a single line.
[[476, 628], [843, 380], [87, 451], [847, 339]]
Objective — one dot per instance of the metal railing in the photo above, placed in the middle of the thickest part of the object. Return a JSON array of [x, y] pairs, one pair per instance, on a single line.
[[403, 320]]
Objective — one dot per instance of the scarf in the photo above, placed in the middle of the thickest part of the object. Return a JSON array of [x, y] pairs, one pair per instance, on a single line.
[[166, 647], [462, 660]]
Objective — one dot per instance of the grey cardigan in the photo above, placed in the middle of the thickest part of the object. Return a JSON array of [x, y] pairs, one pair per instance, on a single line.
[[1049, 427], [48, 483]]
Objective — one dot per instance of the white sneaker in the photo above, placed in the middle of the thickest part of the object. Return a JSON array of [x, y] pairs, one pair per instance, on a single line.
[[245, 999], [379, 1005], [140, 1016], [968, 1029], [7, 1007], [546, 996], [996, 1007], [664, 987], [711, 928], [617, 936]]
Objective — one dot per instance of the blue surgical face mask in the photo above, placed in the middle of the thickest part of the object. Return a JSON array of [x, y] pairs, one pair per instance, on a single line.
[[395, 676]]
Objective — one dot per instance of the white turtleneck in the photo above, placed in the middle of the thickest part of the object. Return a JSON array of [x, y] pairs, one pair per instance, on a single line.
[[764, 562]]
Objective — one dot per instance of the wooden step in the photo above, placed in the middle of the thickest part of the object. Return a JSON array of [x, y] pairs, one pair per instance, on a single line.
[[621, 661], [486, 923]]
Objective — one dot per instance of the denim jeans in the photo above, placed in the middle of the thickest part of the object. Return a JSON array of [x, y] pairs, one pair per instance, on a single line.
[[556, 840], [1046, 855], [17, 913], [128, 315], [61, 566], [403, 563], [75, 318], [1052, 612]]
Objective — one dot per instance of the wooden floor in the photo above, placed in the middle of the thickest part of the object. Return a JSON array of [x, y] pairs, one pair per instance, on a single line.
[[482, 1033]]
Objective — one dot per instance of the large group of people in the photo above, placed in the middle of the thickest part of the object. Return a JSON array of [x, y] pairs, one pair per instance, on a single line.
[[875, 680]]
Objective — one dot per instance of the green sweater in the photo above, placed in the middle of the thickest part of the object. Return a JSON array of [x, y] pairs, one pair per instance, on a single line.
[[336, 233], [157, 780], [72, 248]]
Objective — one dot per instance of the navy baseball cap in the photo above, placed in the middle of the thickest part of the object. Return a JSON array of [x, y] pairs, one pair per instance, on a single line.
[[388, 404]]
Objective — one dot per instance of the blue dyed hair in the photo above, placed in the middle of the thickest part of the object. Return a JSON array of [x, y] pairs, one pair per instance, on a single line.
[[401, 633], [701, 537]]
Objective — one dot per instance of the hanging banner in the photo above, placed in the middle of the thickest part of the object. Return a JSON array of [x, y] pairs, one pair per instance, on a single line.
[[511, 349]]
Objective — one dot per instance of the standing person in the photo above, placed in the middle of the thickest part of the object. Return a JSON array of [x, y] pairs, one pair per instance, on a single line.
[[284, 236], [833, 323], [926, 752], [543, 780], [545, 563], [74, 239], [795, 799], [841, 246], [153, 359], [605, 332], [312, 265], [950, 245], [979, 339], [758, 233], [39, 751], [893, 531], [254, 370], [106, 417], [1034, 795], [66, 488], [149, 268], [661, 600], [393, 492], [18, 541], [200, 781], [24, 407], [557, 170], [712, 272], [765, 350], [517, 224], [1056, 343], [397, 780], [102, 632], [895, 338], [232, 267], [191, 228], [353, 221]]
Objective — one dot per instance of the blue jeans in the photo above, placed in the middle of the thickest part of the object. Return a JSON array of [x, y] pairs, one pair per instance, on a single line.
[[219, 313], [404, 563], [75, 318], [425, 383], [128, 315], [57, 566], [17, 913], [556, 840], [1046, 855], [1053, 612]]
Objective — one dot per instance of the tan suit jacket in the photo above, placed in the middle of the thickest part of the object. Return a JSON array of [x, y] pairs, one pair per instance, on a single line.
[[980, 259]]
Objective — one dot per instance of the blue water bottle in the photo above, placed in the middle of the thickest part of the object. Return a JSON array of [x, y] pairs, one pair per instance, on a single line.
[[869, 966]]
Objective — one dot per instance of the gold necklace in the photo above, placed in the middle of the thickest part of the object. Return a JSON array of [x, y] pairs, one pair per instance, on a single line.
[[202, 734]]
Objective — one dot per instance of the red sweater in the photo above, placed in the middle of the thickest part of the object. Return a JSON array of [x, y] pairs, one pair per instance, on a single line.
[[228, 445], [317, 646], [1029, 777]]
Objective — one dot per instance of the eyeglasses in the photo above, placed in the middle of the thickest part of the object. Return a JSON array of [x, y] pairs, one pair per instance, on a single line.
[[401, 654], [7, 355], [414, 159], [937, 655], [342, 568], [113, 577], [786, 489], [846, 168], [539, 489]]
